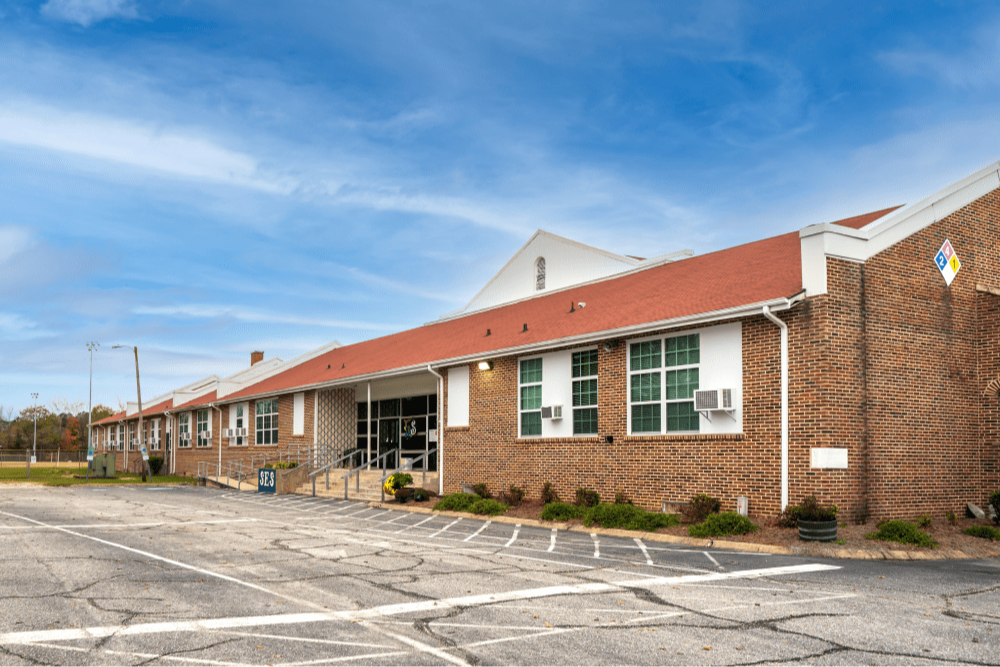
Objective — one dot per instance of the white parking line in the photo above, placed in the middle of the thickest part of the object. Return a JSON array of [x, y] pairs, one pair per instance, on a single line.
[[712, 559], [552, 543], [414, 525], [517, 529], [126, 525], [481, 529], [597, 545], [445, 528], [649, 561]]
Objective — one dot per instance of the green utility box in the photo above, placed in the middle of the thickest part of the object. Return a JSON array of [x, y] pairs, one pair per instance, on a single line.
[[103, 465]]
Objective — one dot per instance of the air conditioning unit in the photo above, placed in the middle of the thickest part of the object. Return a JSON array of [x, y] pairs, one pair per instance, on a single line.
[[241, 433], [707, 401], [552, 412], [185, 437], [228, 433]]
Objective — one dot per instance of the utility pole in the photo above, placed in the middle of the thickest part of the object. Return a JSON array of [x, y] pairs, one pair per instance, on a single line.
[[34, 442], [90, 408], [138, 394]]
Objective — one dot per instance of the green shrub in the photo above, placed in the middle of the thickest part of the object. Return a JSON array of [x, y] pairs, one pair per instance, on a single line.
[[629, 517], [488, 506], [481, 490], [548, 495], [281, 465], [420, 495], [514, 496], [622, 499], [903, 532], [995, 501], [587, 498], [952, 518], [701, 506], [562, 512], [809, 510], [457, 502], [924, 521], [155, 464], [986, 532], [726, 523]]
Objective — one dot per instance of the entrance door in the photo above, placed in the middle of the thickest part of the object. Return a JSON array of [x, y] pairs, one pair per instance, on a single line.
[[388, 440]]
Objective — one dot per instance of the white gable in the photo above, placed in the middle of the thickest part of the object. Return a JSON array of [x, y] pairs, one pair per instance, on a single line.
[[567, 263]]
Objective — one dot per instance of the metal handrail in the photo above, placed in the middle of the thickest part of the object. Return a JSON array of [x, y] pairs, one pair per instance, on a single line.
[[327, 469], [357, 488], [410, 464]]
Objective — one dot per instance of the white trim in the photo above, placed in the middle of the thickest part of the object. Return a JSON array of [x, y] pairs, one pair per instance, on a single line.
[[538, 384], [299, 413], [662, 369]]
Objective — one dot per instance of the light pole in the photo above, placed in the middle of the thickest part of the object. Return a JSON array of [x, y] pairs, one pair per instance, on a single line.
[[138, 394], [90, 407], [34, 442]]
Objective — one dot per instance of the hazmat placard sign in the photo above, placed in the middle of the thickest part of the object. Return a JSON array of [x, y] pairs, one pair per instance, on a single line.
[[947, 262]]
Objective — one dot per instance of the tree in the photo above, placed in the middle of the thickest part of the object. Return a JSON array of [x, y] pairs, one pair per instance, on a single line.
[[72, 435], [99, 412]]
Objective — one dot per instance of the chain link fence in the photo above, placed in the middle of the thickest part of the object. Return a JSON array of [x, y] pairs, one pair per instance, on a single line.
[[14, 463]]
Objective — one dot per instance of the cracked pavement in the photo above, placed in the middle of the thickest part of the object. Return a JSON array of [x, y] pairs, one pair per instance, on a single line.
[[184, 575]]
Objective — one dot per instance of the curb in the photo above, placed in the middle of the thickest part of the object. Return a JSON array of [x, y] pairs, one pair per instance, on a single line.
[[824, 551]]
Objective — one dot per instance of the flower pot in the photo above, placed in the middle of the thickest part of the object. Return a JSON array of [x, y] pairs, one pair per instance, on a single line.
[[818, 531], [403, 494]]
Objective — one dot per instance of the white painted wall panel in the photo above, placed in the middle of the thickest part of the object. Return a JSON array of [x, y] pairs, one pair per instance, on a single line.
[[828, 457], [298, 413], [722, 368], [458, 396]]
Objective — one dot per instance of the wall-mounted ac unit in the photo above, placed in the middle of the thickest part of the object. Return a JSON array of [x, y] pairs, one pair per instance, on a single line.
[[241, 433], [707, 401], [552, 412], [228, 433]]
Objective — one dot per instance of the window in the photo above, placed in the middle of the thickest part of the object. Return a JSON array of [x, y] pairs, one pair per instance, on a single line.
[[663, 376], [184, 430], [585, 393], [240, 423], [540, 274], [267, 422], [204, 435], [530, 386], [131, 437], [156, 434]]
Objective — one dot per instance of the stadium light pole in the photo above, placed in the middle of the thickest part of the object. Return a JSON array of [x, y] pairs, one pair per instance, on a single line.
[[34, 415], [138, 394], [90, 407]]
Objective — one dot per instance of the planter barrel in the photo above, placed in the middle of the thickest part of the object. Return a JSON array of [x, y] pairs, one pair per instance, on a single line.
[[818, 531]]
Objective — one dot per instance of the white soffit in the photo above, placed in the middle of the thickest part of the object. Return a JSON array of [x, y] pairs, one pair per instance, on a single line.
[[858, 245]]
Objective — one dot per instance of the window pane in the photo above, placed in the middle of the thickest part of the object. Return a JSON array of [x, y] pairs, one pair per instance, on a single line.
[[531, 398], [682, 417], [531, 423], [645, 355], [584, 392], [682, 350], [682, 383], [414, 406], [531, 371], [389, 408], [584, 363], [646, 418], [585, 421], [646, 387]]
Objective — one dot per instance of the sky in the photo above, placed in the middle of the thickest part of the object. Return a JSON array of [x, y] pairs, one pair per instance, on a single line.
[[202, 179]]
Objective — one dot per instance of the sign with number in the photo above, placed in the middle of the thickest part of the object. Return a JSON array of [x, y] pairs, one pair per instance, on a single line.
[[90, 453], [266, 482], [947, 262], [145, 454]]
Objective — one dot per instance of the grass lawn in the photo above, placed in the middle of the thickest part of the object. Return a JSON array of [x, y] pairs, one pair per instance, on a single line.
[[52, 476]]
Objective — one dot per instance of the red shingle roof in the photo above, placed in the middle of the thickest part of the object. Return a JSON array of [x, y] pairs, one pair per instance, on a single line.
[[204, 399], [859, 221], [740, 276]]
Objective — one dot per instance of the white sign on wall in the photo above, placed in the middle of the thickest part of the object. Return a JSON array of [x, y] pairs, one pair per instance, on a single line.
[[947, 262]]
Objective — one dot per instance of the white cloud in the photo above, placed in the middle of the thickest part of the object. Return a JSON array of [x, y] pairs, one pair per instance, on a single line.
[[12, 241], [165, 150], [87, 12], [18, 327], [246, 315]]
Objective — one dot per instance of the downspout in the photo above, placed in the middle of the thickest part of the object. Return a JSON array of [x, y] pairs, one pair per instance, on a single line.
[[440, 429], [784, 404], [212, 405]]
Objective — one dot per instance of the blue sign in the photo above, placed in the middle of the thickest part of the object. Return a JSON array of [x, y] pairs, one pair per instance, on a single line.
[[266, 481], [941, 260]]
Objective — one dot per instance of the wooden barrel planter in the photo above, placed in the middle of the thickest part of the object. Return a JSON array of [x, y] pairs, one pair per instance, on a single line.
[[818, 531], [404, 494]]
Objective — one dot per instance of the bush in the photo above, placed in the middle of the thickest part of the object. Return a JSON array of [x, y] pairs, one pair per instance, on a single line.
[[397, 481], [986, 532], [903, 532], [457, 502], [488, 507], [420, 495], [924, 521], [995, 501], [281, 465], [481, 490], [562, 512], [587, 498], [548, 495], [727, 523], [514, 496], [629, 517], [701, 506], [622, 499], [952, 518], [155, 464]]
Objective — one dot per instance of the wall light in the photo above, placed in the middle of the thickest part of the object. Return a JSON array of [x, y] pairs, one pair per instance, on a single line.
[[485, 365]]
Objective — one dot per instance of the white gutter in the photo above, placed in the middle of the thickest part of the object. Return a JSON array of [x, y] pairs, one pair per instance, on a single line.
[[219, 470], [784, 404], [173, 446], [440, 429]]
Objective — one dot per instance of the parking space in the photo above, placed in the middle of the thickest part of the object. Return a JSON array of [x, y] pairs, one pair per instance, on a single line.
[[139, 575]]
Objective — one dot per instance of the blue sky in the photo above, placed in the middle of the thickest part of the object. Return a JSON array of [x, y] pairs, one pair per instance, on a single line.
[[203, 179]]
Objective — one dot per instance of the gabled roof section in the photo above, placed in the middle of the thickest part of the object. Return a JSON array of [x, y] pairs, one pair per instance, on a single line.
[[718, 283], [200, 401], [255, 373], [567, 263], [859, 221], [113, 419]]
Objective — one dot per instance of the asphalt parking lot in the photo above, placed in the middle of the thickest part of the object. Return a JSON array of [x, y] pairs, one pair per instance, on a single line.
[[181, 575]]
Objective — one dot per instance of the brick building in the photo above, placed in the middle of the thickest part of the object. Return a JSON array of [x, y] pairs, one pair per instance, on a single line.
[[848, 360]]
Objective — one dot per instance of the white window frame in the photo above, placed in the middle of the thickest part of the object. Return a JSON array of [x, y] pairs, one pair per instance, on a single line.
[[240, 421], [202, 426], [273, 429], [573, 381], [155, 430], [131, 436], [540, 385], [663, 401], [183, 427]]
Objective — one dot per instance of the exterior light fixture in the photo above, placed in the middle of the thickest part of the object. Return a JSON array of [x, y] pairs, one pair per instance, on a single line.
[[485, 365]]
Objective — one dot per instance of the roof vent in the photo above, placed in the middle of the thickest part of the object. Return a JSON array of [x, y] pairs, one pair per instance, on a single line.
[[525, 327]]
